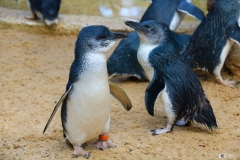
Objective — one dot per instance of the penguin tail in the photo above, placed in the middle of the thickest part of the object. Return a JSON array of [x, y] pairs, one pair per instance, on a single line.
[[204, 114]]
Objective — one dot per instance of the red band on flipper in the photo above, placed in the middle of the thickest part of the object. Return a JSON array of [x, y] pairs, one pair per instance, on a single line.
[[103, 137]]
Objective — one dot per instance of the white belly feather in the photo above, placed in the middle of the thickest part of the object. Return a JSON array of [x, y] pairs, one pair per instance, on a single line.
[[142, 55], [225, 51], [167, 105], [88, 105]]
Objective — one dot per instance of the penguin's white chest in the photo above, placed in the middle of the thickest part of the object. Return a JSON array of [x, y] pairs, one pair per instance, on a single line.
[[223, 56], [142, 55], [88, 104], [167, 104]]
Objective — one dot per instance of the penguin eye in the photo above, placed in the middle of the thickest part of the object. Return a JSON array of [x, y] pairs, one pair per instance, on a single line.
[[100, 37], [149, 28]]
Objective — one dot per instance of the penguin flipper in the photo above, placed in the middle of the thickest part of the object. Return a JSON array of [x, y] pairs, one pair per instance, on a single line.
[[56, 107], [120, 95], [234, 33], [191, 10], [156, 85]]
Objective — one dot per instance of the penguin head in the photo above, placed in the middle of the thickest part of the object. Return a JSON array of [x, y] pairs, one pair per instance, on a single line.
[[150, 31], [97, 39]]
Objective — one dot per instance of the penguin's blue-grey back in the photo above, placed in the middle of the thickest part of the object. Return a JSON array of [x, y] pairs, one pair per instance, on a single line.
[[161, 10], [50, 9], [210, 37], [36, 5], [183, 87], [127, 51]]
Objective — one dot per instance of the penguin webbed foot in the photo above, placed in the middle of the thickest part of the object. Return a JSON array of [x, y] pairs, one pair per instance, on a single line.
[[78, 151], [101, 145], [168, 129], [231, 83], [32, 17], [160, 131], [227, 82]]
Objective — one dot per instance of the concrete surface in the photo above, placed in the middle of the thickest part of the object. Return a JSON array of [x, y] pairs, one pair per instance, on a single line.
[[68, 24]]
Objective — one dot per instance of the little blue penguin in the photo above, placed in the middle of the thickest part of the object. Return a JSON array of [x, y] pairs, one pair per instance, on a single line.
[[171, 12], [85, 109], [44, 9], [123, 61], [213, 38], [171, 78]]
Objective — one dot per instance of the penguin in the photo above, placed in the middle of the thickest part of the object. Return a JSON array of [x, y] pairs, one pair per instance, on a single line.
[[213, 38], [44, 9], [123, 61], [171, 78], [85, 109], [171, 12]]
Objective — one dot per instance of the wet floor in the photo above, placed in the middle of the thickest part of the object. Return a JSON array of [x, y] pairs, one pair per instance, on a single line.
[[123, 9]]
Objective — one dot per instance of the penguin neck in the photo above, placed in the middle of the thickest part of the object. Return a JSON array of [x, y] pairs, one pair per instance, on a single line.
[[91, 60], [143, 57]]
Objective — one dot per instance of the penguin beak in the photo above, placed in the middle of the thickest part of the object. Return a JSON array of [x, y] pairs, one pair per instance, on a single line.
[[116, 36], [136, 26]]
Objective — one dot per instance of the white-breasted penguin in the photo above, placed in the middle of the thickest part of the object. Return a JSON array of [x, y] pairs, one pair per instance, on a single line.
[[213, 38], [123, 61], [44, 9], [86, 103], [171, 78]]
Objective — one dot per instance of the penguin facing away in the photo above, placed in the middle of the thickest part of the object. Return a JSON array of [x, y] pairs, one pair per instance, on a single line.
[[171, 78], [85, 109], [171, 12], [213, 38], [44, 9], [123, 61]]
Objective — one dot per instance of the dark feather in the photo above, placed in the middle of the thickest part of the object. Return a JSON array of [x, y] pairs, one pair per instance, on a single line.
[[182, 85], [207, 42], [156, 85], [123, 60]]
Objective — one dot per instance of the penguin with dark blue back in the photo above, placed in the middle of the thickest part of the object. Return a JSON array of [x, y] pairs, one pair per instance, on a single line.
[[123, 61], [213, 38], [171, 12], [171, 78], [44, 9], [86, 103]]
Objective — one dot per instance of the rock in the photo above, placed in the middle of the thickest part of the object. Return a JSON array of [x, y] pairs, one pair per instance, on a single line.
[[233, 60]]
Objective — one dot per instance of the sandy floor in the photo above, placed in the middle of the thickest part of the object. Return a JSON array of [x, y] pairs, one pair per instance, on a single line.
[[34, 72]]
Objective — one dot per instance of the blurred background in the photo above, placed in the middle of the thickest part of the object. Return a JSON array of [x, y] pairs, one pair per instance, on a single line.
[[119, 9]]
